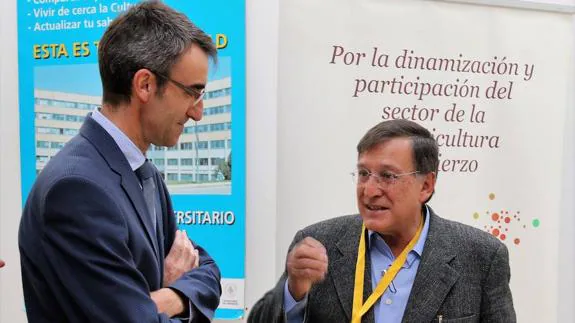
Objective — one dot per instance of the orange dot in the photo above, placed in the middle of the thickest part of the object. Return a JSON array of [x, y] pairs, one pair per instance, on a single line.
[[507, 219], [494, 216], [502, 237], [517, 241], [495, 232]]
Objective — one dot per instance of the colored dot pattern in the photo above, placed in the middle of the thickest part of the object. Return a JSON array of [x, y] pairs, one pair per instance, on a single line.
[[504, 224]]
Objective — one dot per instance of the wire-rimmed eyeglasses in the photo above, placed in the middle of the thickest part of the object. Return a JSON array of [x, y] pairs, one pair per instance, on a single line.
[[197, 94], [361, 176]]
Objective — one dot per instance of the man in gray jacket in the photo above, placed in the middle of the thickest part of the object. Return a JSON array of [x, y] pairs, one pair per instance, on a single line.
[[397, 261]]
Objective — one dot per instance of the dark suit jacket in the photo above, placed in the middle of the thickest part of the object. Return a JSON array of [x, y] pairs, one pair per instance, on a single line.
[[463, 276], [88, 250]]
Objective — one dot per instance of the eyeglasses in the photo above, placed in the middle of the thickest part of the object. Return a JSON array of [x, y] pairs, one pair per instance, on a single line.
[[194, 92], [361, 177]]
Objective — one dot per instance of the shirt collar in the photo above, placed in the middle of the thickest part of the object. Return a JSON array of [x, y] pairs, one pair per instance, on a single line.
[[132, 153]]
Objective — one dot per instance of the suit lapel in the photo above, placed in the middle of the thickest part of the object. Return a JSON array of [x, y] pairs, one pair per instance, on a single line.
[[434, 277], [343, 269], [110, 151]]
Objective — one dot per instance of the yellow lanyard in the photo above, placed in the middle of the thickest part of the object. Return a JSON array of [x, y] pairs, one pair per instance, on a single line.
[[360, 308]]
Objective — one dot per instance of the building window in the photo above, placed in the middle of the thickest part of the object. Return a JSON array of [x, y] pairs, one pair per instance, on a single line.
[[203, 161], [49, 130], [218, 93], [217, 144], [59, 117], [216, 161], [42, 102], [84, 106], [43, 116], [187, 162], [186, 146], [202, 144], [159, 161], [218, 110], [203, 177], [172, 162], [172, 176], [217, 127], [56, 145], [70, 132], [42, 144]]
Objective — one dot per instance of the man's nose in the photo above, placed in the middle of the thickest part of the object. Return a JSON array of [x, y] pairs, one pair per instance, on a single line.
[[372, 187]]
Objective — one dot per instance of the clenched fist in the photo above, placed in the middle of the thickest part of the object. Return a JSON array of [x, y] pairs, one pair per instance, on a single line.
[[306, 265]]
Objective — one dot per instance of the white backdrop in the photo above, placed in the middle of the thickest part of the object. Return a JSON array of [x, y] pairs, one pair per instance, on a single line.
[[348, 68]]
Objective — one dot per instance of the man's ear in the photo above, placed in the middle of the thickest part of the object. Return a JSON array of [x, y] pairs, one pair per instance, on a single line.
[[428, 187], [144, 85]]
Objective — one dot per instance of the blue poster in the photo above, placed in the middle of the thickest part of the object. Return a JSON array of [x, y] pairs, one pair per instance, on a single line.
[[60, 84]]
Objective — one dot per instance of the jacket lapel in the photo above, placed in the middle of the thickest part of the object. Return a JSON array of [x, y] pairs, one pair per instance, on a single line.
[[110, 151], [434, 277]]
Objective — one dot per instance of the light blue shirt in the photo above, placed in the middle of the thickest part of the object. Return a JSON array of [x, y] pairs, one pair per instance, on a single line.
[[391, 305], [132, 153], [135, 158]]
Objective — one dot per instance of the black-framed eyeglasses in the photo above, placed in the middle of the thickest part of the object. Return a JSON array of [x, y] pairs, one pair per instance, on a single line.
[[197, 94], [362, 175]]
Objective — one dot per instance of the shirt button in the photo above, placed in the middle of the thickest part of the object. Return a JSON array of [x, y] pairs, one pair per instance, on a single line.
[[388, 301]]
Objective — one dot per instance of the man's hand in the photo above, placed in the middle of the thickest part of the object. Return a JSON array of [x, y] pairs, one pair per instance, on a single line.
[[306, 265], [168, 302], [181, 258]]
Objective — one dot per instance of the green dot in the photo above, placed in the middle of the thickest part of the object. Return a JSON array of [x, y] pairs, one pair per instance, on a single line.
[[476, 215], [535, 223]]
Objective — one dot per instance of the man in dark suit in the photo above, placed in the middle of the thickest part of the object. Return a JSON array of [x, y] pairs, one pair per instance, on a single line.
[[397, 261], [98, 239]]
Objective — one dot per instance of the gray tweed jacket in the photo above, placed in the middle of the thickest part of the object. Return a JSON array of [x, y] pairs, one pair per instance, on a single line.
[[463, 276]]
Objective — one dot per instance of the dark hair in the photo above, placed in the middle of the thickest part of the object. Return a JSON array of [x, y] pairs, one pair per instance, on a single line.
[[149, 35], [424, 147]]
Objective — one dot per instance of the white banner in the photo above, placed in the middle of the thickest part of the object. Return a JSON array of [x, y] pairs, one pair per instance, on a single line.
[[492, 84]]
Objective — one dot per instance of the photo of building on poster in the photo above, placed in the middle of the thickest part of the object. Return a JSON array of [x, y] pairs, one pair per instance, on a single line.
[[199, 164]]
